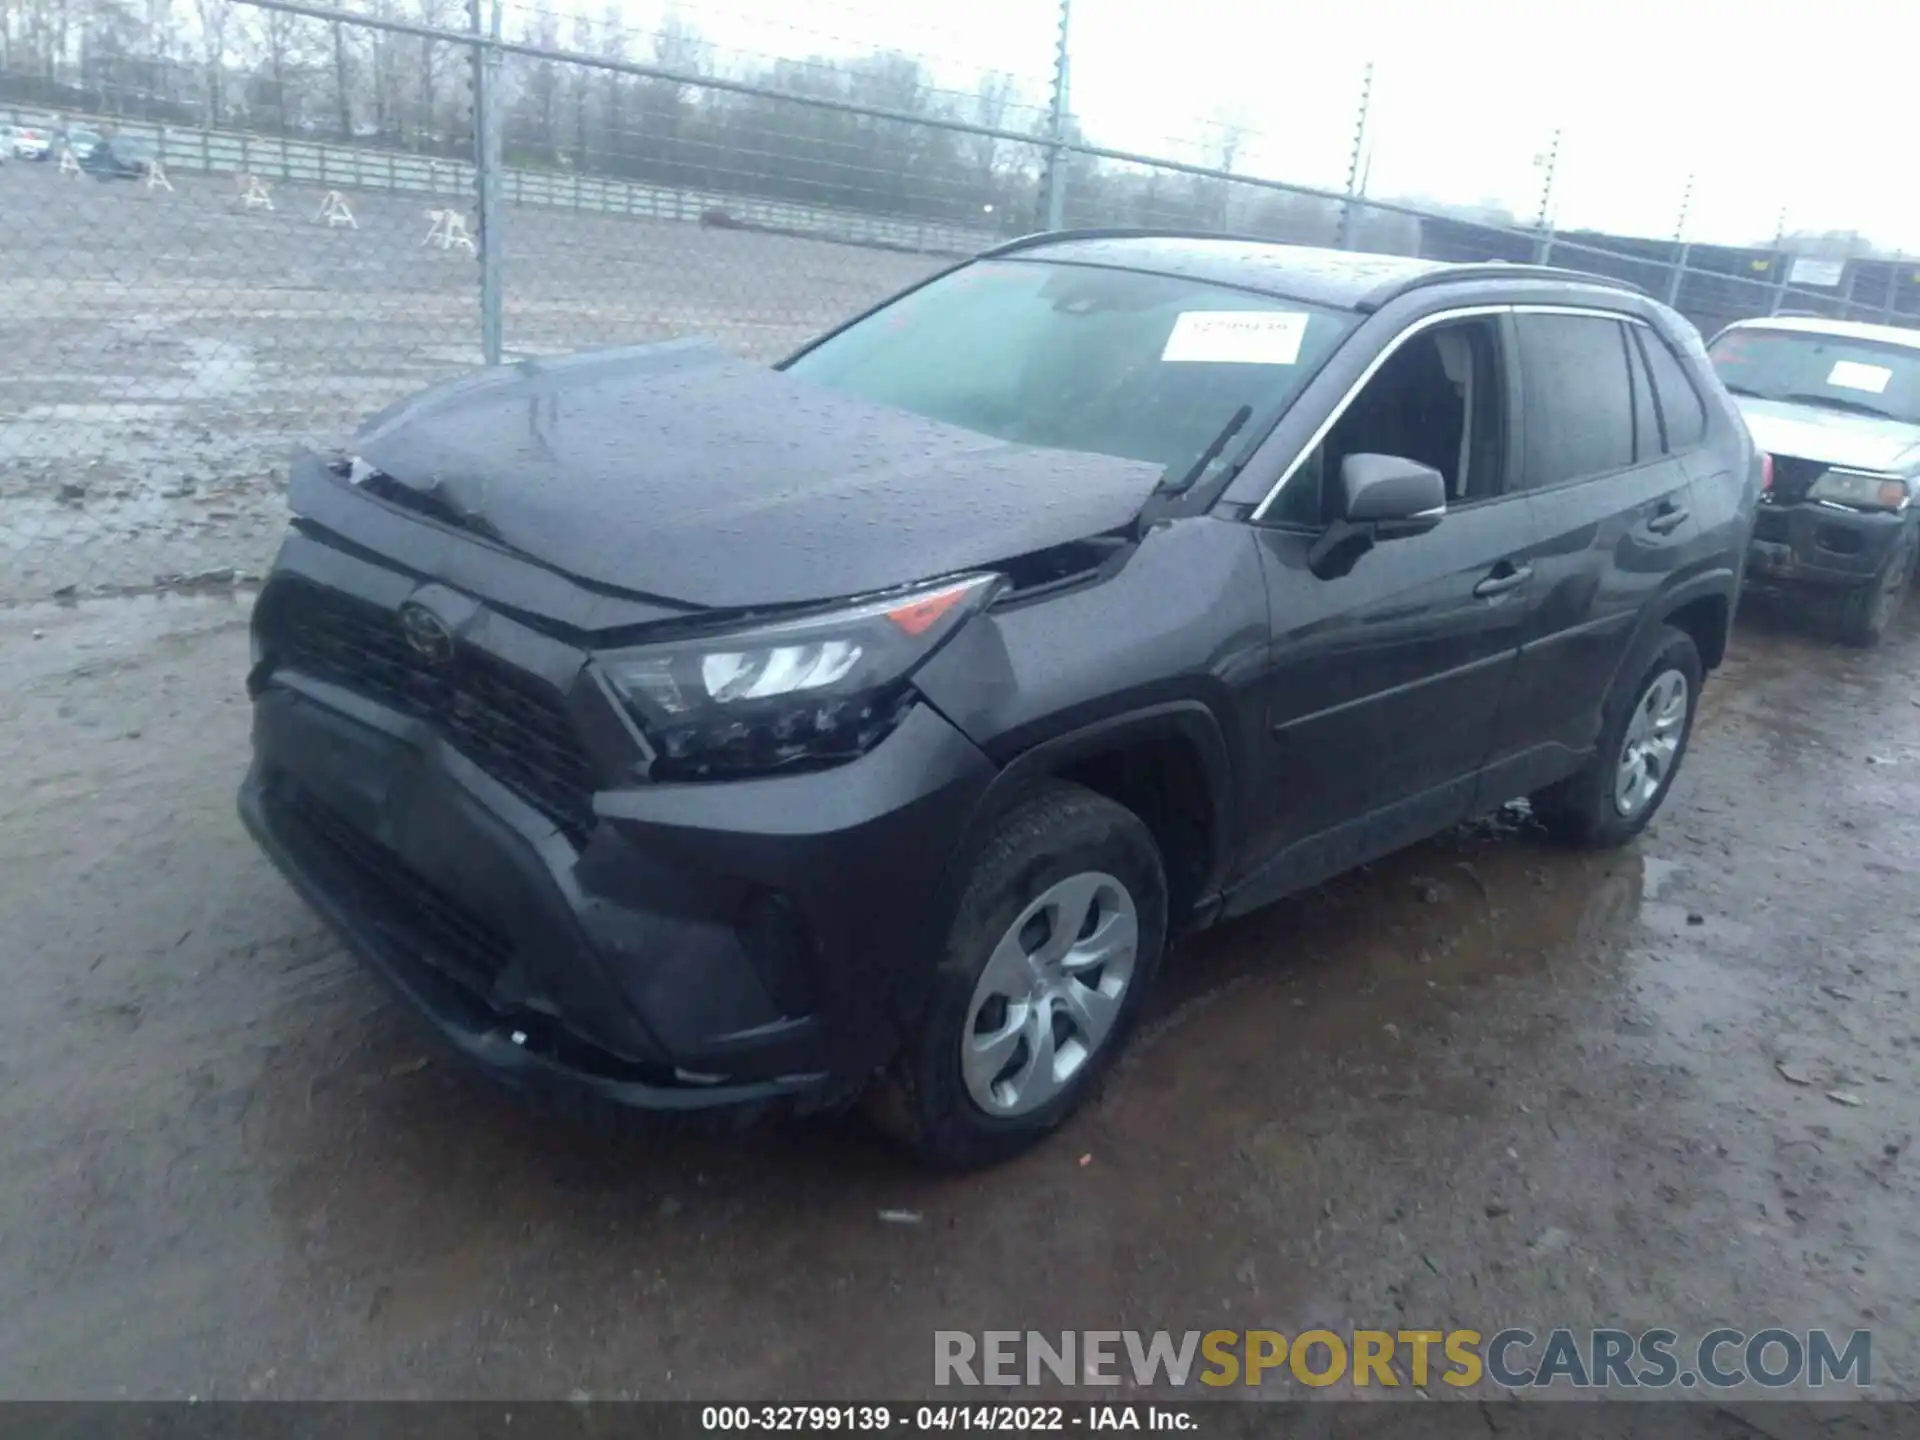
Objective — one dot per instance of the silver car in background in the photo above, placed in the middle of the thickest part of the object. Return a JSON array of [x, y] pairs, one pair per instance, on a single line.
[[25, 142], [1836, 406]]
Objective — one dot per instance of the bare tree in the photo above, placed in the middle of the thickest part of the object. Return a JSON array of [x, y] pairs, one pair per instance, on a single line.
[[613, 46], [215, 17], [581, 82], [342, 80], [430, 12], [281, 38], [543, 87], [991, 100], [384, 55]]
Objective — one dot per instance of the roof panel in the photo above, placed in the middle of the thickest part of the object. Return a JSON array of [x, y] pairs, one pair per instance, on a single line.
[[1297, 272], [1840, 329]]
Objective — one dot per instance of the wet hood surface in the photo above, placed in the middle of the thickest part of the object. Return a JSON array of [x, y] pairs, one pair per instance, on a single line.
[[1832, 437], [674, 471]]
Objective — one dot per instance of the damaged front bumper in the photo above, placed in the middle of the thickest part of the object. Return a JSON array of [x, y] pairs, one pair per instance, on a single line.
[[747, 943], [1815, 544]]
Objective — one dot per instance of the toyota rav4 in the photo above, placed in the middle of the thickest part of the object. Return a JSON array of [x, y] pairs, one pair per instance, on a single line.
[[693, 734]]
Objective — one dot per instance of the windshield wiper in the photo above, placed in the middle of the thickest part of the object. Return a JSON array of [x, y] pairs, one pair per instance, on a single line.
[[1743, 390], [1212, 452], [1834, 402]]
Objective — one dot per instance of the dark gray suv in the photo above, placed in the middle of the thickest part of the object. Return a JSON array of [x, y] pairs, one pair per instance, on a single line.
[[702, 736]]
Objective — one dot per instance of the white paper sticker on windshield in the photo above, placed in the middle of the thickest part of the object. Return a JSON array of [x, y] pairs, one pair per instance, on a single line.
[[1852, 375], [1237, 337]]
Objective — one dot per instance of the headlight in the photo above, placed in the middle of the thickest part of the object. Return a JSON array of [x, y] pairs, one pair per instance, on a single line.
[[1860, 489], [810, 691]]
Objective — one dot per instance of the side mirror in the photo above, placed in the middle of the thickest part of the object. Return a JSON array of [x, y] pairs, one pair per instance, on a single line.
[[1386, 496], [1394, 493]]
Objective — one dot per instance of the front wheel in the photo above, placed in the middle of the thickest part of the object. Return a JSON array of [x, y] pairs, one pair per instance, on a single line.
[[1868, 612], [1055, 943], [1646, 723]]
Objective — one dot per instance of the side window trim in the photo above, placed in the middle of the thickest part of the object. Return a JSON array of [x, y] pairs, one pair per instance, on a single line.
[[1659, 405], [1516, 405], [1387, 351], [1631, 354], [1427, 322]]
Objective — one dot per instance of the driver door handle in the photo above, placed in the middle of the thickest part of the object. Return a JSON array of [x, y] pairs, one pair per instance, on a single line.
[[1506, 576], [1668, 518]]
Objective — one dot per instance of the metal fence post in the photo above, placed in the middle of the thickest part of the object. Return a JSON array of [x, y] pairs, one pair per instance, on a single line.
[[1543, 244], [1057, 130], [1353, 161], [486, 174], [1784, 267], [1678, 278]]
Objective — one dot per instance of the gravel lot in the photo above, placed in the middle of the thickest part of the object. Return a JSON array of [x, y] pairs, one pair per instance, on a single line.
[[166, 351], [1484, 1083]]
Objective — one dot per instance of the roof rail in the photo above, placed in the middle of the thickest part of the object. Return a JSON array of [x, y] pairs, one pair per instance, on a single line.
[[1443, 272], [1489, 270]]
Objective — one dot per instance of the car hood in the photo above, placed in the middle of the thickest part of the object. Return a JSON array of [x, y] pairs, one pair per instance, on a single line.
[[676, 472], [1832, 437]]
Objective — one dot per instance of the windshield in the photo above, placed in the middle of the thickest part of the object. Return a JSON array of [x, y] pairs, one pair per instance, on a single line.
[[1146, 367], [1861, 377]]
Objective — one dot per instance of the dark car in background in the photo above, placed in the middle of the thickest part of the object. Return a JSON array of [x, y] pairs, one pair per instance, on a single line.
[[1836, 404], [120, 157], [693, 735]]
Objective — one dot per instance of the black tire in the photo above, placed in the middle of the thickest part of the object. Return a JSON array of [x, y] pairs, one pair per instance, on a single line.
[[1868, 612], [1057, 832], [1580, 810]]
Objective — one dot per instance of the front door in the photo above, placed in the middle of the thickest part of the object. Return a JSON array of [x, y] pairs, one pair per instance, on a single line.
[[1384, 682]]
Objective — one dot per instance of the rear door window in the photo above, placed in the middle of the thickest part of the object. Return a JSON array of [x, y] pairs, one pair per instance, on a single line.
[[1579, 398]]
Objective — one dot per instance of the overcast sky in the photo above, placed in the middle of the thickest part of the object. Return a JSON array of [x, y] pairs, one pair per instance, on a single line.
[[1768, 103]]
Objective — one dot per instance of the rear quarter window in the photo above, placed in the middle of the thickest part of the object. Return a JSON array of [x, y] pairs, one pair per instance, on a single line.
[[1684, 416]]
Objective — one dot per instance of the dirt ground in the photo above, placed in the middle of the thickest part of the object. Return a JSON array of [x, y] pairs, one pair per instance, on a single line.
[[1484, 1083], [165, 352]]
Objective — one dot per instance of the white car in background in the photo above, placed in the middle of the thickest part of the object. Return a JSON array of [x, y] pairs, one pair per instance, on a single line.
[[26, 142], [1836, 404]]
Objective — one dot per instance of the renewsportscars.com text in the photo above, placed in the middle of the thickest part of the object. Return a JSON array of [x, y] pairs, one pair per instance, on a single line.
[[1516, 1359]]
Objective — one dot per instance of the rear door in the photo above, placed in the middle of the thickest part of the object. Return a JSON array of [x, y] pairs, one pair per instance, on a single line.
[[1610, 501]]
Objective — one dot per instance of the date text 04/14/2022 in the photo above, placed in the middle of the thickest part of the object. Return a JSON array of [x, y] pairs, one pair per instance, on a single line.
[[1007, 1419]]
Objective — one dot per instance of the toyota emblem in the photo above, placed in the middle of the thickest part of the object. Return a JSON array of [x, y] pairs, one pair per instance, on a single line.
[[427, 633]]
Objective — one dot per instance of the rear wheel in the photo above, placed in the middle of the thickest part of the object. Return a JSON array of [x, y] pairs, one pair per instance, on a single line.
[[1646, 723], [1055, 943], [1868, 612]]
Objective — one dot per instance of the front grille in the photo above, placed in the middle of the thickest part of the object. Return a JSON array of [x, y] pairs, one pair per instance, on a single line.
[[432, 924], [1793, 477], [497, 717], [1770, 526]]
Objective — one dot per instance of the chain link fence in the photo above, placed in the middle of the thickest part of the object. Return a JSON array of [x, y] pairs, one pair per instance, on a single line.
[[203, 266]]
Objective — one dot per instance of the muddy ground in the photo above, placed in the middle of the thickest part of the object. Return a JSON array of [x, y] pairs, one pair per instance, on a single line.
[[1484, 1083], [164, 352]]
